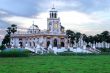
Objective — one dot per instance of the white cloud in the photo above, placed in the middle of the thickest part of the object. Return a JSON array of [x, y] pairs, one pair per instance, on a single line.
[[74, 20]]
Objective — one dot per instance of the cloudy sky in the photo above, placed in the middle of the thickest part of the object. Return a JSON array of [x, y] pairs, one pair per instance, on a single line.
[[86, 16]]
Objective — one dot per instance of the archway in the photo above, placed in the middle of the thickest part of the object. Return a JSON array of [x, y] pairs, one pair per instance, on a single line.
[[48, 43], [21, 44], [55, 42], [62, 44]]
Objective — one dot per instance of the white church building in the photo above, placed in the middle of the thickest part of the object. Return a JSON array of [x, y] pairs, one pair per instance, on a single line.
[[54, 38], [54, 35]]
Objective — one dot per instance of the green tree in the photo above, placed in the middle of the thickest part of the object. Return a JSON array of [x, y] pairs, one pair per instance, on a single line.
[[91, 39], [77, 37], [71, 36], [13, 28], [105, 37], [7, 37], [8, 31], [85, 38], [6, 40], [2, 47]]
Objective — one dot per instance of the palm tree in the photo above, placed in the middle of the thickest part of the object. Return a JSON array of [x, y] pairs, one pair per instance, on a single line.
[[7, 37], [9, 30], [13, 28]]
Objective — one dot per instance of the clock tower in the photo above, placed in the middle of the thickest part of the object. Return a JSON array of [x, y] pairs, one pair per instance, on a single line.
[[53, 22]]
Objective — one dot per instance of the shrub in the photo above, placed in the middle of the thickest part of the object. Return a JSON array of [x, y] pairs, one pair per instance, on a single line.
[[72, 54], [49, 54], [14, 53], [2, 47], [66, 53]]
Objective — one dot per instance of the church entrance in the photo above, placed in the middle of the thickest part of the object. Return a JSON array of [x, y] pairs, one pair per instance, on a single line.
[[55, 42], [62, 44], [48, 43]]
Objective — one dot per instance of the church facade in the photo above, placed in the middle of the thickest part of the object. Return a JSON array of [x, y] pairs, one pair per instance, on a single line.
[[54, 35]]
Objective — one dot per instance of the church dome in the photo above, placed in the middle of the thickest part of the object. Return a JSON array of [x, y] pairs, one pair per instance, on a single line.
[[33, 29], [53, 9]]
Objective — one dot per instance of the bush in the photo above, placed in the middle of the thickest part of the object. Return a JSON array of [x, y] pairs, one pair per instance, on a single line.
[[66, 53], [72, 54], [2, 47], [14, 53], [104, 49], [49, 54]]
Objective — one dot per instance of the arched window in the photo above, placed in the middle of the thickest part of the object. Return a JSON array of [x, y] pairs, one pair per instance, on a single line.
[[62, 44], [21, 44], [48, 43], [52, 15], [55, 42], [55, 15]]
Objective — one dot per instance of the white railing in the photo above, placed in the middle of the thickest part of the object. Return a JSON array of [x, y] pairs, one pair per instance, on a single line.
[[32, 34]]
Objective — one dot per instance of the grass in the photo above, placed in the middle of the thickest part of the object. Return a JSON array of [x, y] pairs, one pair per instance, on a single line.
[[56, 64]]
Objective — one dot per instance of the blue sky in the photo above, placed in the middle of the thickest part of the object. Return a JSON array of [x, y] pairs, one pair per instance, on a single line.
[[86, 16]]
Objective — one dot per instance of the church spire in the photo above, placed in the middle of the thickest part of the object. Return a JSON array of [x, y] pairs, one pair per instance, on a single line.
[[53, 12], [53, 6]]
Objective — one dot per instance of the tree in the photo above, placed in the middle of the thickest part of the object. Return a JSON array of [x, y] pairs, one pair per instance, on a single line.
[[9, 30], [85, 38], [91, 39], [13, 28], [77, 37], [6, 40], [105, 37], [2, 47], [71, 36], [7, 37]]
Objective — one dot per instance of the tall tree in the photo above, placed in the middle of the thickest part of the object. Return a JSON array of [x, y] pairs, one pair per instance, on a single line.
[[91, 40], [85, 38], [77, 37], [7, 37], [71, 36], [105, 36], [13, 28], [8, 31], [6, 40]]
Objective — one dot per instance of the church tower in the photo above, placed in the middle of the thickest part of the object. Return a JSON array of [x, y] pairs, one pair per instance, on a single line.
[[53, 22]]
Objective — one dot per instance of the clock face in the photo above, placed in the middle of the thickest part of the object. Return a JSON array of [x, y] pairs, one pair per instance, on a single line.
[[55, 26]]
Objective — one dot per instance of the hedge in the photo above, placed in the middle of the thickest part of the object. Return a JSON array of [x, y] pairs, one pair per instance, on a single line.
[[14, 53]]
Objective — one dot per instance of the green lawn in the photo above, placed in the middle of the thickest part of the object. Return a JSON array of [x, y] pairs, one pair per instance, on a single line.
[[56, 64]]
